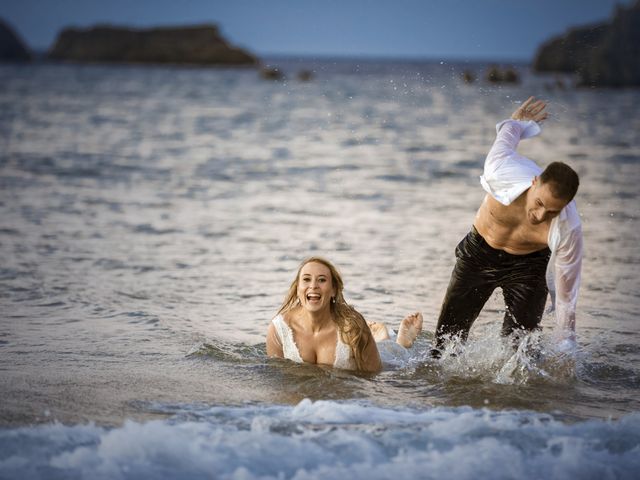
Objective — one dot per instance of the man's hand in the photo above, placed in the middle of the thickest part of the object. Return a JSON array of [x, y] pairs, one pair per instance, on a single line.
[[564, 341], [532, 109]]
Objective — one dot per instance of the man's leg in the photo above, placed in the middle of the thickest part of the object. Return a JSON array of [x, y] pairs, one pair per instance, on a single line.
[[461, 306], [470, 287], [525, 295]]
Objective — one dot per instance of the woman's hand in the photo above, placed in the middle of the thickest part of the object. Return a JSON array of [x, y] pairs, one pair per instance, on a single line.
[[532, 109]]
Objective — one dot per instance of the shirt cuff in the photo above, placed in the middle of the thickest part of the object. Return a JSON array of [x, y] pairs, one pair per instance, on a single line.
[[528, 128]]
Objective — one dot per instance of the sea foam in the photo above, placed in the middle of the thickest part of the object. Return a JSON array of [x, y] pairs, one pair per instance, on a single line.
[[327, 439]]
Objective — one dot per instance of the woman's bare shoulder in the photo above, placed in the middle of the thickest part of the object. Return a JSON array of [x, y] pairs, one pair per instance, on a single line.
[[290, 317]]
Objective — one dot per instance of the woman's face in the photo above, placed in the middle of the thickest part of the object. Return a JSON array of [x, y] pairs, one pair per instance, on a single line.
[[315, 288]]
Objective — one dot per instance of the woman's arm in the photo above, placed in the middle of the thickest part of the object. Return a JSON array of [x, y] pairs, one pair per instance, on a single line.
[[274, 346], [371, 356]]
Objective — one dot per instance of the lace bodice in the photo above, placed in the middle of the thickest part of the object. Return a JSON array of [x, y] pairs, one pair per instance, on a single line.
[[290, 349]]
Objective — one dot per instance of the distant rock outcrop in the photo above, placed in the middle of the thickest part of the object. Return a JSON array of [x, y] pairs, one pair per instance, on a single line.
[[12, 48], [496, 75], [195, 45], [305, 75], [605, 54], [269, 73], [468, 76]]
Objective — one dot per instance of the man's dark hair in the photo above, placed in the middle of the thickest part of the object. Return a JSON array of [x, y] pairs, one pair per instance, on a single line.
[[562, 179]]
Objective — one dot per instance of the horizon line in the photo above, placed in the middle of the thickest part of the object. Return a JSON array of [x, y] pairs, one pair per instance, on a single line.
[[404, 58], [370, 57]]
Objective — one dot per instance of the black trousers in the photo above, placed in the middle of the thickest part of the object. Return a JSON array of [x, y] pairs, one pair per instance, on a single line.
[[479, 270]]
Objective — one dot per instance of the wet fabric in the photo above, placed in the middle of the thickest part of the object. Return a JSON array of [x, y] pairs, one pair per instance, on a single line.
[[290, 349], [392, 354], [479, 270], [507, 174]]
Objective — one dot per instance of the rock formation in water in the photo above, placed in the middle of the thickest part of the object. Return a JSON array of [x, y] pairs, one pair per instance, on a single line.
[[497, 75], [468, 76], [12, 48], [196, 45], [605, 54], [269, 73], [305, 75]]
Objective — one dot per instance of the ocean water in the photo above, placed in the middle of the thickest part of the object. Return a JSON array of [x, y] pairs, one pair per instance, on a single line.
[[152, 219]]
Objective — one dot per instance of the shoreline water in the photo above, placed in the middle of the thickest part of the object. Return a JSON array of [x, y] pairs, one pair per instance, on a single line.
[[152, 219]]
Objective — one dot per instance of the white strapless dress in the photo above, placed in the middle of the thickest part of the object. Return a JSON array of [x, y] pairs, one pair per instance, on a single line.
[[290, 349], [392, 354]]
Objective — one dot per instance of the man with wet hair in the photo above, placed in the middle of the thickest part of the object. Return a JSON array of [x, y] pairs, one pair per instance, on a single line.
[[526, 238]]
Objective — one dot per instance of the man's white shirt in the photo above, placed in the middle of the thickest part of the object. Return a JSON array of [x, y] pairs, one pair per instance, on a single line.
[[507, 174]]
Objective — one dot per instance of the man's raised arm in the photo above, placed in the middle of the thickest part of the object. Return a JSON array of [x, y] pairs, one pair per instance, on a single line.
[[503, 159], [510, 133]]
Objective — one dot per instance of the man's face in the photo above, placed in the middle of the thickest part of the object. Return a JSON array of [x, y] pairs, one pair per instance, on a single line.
[[542, 206]]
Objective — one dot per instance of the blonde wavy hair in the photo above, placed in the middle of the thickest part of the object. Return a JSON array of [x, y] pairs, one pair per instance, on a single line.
[[352, 326]]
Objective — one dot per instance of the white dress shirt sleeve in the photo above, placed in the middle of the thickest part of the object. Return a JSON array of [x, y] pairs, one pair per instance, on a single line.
[[507, 173], [567, 267]]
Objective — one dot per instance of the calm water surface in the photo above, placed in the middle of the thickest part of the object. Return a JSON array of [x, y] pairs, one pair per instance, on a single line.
[[151, 220]]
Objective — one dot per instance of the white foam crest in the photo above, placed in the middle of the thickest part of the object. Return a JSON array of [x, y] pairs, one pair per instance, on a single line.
[[328, 440]]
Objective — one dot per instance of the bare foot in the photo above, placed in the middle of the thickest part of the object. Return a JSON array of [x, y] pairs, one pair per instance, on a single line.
[[410, 328], [379, 331]]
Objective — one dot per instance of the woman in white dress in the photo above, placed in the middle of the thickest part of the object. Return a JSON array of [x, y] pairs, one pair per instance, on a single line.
[[316, 325]]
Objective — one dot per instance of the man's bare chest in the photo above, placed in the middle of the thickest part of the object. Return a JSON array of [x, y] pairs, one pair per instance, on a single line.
[[507, 227]]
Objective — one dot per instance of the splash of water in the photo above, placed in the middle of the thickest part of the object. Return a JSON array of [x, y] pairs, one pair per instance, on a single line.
[[513, 360]]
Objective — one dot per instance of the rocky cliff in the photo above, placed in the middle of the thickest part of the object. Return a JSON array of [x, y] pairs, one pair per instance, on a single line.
[[606, 54], [197, 45], [12, 48]]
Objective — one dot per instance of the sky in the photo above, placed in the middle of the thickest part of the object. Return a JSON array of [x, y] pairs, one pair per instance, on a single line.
[[429, 29]]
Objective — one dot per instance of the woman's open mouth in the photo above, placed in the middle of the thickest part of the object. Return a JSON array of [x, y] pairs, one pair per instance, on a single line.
[[313, 298]]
